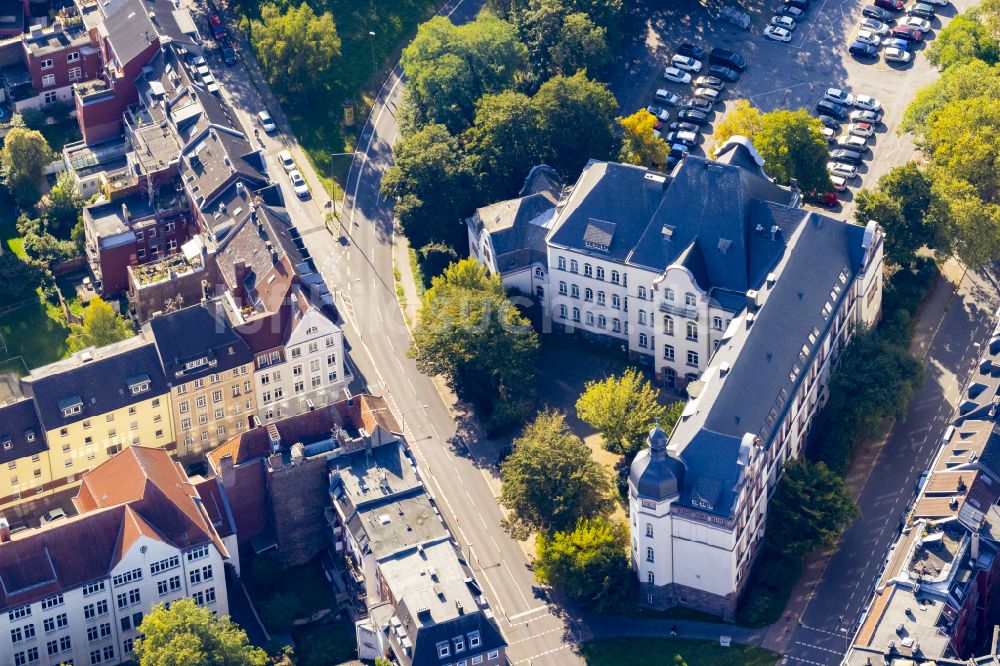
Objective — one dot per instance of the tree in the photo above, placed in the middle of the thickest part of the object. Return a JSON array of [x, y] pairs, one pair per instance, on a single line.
[[24, 155], [589, 564], [432, 182], [188, 634], [297, 49], [18, 279], [472, 335], [888, 212], [101, 326], [448, 67], [62, 205], [622, 408], [550, 480], [503, 142], [639, 145], [809, 509], [577, 122], [793, 146], [742, 120], [900, 204], [559, 39], [970, 80], [962, 141], [581, 45], [970, 226], [965, 38]]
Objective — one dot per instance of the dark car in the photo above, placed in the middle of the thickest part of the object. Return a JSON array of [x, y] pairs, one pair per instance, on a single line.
[[683, 127], [692, 116], [862, 50], [728, 58], [891, 5], [829, 121], [690, 50], [215, 24], [846, 155], [907, 32], [877, 13], [698, 105], [229, 55], [724, 73], [922, 10], [801, 4], [895, 42], [828, 108]]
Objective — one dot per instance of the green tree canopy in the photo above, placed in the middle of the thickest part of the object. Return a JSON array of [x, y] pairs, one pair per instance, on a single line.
[[503, 143], [810, 508], [970, 227], [962, 140], [622, 408], [62, 205], [577, 122], [965, 81], [900, 204], [550, 481], [639, 144], [793, 146], [297, 49], [560, 39], [469, 333], [101, 326], [589, 564], [18, 279], [188, 634], [965, 38], [449, 67], [433, 184], [24, 155]]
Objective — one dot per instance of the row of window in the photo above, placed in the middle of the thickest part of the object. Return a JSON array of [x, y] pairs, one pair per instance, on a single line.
[[214, 378], [589, 271], [109, 417], [444, 647], [48, 63], [74, 74], [601, 320]]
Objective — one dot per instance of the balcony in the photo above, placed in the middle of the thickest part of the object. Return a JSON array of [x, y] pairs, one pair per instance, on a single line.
[[679, 310]]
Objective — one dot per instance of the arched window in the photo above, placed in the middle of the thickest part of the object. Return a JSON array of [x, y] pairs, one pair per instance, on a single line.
[[692, 331], [562, 263], [574, 291], [668, 324], [588, 294], [588, 270]]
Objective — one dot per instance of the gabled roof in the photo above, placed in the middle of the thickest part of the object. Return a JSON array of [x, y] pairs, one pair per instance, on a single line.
[[21, 431], [200, 331], [129, 31]]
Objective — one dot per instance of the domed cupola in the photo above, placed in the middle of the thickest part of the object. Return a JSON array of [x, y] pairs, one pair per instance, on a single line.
[[655, 474]]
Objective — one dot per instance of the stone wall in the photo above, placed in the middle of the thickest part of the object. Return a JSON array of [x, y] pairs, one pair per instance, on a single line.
[[662, 597], [299, 492]]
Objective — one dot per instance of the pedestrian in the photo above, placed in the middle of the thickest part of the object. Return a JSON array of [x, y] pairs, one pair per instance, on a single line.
[[673, 630]]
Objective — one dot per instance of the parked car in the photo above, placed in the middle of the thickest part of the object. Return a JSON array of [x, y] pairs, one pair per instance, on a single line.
[[687, 63], [707, 94], [298, 184], [861, 129], [893, 54], [792, 12], [777, 34], [937, 3], [847, 156], [686, 138], [921, 10], [659, 112], [829, 134], [786, 22], [287, 161], [709, 82], [868, 103], [853, 142], [916, 22], [922, 480], [868, 37], [829, 121], [827, 199], [698, 105], [907, 32], [828, 108], [667, 97], [845, 170], [52, 516], [890, 5], [874, 25], [678, 150], [724, 73], [678, 126], [266, 122], [692, 51], [676, 75], [727, 58], [838, 96], [877, 13], [865, 116], [801, 4], [228, 55], [216, 27], [839, 183], [693, 116], [861, 50], [896, 43]]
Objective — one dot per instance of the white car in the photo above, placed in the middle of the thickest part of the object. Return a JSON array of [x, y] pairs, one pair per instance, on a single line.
[[838, 96], [892, 54], [786, 22], [667, 97], [777, 34], [874, 25], [676, 75], [920, 24], [840, 169], [298, 184], [266, 122], [687, 63], [829, 133], [287, 161], [659, 112], [868, 37], [839, 183], [852, 142], [51, 516], [867, 102], [711, 94], [861, 129]]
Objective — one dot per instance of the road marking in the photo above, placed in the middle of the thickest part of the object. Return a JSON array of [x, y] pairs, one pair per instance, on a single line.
[[822, 631], [816, 647], [807, 661], [528, 660], [532, 611]]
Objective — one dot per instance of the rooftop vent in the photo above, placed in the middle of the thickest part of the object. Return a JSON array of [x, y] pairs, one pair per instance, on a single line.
[[724, 368], [667, 231]]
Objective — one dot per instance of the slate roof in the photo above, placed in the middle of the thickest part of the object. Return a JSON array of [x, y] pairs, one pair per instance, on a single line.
[[100, 385], [989, 460], [18, 422], [129, 31], [196, 332], [214, 159]]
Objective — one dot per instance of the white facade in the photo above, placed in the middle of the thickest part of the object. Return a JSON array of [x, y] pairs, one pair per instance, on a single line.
[[97, 623], [309, 369]]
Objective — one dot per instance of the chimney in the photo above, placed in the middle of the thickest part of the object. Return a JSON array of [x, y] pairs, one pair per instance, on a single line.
[[274, 437], [974, 553], [275, 461], [228, 471], [4, 530], [298, 452], [241, 272], [793, 183], [774, 232]]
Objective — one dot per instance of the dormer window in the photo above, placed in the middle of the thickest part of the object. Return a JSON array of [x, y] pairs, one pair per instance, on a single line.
[[474, 640], [71, 406], [138, 384], [6, 442], [443, 649], [29, 435], [197, 363]]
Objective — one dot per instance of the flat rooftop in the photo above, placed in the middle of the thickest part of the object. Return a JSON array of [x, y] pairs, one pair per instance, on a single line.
[[398, 525], [430, 578], [54, 40], [897, 616]]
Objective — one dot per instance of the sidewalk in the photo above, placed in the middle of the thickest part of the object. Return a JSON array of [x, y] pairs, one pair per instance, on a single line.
[[617, 626], [927, 323]]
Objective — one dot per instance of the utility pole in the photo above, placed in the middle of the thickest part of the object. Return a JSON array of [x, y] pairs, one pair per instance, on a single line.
[[371, 38]]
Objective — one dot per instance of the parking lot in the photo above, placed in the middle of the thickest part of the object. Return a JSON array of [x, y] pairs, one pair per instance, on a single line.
[[787, 75]]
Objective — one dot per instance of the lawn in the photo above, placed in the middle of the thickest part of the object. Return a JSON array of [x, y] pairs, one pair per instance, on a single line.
[[320, 645], [672, 651], [32, 334], [9, 237], [319, 127], [295, 593]]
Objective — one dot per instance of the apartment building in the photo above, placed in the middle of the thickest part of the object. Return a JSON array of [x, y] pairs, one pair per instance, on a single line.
[[57, 58], [89, 407], [713, 277], [23, 449], [76, 591], [209, 371]]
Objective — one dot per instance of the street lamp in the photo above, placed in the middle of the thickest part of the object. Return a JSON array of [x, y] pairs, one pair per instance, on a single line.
[[371, 38]]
